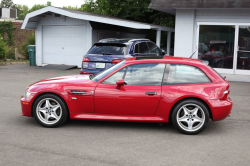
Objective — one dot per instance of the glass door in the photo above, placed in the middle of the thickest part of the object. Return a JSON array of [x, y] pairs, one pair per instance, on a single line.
[[243, 49], [216, 43]]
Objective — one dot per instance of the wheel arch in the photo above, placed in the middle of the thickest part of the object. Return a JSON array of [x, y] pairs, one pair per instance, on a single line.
[[34, 100], [192, 98]]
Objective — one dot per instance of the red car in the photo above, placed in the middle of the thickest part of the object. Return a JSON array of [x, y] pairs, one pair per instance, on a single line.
[[183, 91]]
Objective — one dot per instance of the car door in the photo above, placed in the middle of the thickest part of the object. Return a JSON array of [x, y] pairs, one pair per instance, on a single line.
[[140, 95]]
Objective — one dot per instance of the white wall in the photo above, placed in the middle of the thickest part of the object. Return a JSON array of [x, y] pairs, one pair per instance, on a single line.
[[186, 25], [52, 20], [184, 28]]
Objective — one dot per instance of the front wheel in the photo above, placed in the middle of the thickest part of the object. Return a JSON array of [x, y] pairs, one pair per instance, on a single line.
[[190, 116], [50, 110]]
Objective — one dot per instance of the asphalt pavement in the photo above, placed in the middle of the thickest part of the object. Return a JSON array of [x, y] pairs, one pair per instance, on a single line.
[[24, 142]]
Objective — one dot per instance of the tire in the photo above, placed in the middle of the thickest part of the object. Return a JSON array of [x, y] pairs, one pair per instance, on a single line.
[[190, 116], [50, 110]]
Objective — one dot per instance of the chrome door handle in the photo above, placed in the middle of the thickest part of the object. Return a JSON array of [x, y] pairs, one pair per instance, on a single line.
[[151, 93]]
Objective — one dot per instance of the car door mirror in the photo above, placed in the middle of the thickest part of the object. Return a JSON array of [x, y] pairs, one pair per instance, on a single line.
[[120, 83], [163, 52]]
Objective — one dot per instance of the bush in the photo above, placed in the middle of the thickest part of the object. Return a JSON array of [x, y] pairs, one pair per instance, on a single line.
[[10, 53], [23, 48], [2, 48]]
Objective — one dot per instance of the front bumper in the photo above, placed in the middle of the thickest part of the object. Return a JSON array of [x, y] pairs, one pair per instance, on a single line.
[[26, 107], [221, 108]]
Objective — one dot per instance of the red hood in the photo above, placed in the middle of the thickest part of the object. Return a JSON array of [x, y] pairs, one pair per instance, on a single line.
[[63, 80]]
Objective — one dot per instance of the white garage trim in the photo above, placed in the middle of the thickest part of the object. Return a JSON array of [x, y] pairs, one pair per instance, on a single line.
[[28, 24]]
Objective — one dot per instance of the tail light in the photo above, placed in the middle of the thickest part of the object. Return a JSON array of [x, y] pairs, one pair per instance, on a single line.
[[86, 59], [225, 94], [117, 60], [84, 72], [216, 57]]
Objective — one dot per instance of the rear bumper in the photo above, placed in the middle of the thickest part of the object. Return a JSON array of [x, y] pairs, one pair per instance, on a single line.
[[26, 107], [221, 108]]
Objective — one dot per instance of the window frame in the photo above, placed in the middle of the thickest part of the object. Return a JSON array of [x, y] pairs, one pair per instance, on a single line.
[[166, 75], [163, 75]]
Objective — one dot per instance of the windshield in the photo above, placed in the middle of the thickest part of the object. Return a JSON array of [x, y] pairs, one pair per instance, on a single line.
[[106, 72], [108, 49]]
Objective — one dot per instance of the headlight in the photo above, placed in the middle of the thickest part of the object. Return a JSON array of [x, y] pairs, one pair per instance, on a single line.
[[26, 95]]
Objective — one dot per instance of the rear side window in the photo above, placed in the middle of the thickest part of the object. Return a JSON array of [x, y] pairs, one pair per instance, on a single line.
[[185, 74], [108, 50], [141, 48]]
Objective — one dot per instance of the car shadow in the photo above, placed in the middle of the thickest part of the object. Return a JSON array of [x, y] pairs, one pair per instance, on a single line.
[[212, 127]]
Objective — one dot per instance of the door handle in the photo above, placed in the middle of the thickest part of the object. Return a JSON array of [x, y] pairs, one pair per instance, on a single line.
[[151, 93]]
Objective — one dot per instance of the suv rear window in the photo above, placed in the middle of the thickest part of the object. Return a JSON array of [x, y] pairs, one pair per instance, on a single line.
[[108, 49]]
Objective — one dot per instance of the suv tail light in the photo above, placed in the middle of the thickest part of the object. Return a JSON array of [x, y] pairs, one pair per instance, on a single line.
[[117, 60], [86, 59]]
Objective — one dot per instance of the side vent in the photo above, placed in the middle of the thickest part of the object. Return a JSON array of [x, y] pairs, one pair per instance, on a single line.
[[78, 92]]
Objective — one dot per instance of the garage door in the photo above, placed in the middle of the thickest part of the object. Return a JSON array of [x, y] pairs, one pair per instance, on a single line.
[[63, 45]]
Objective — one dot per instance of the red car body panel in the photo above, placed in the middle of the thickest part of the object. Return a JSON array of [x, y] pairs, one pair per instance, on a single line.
[[130, 103]]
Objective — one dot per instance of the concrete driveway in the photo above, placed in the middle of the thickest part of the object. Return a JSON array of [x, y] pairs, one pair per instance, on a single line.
[[25, 142]]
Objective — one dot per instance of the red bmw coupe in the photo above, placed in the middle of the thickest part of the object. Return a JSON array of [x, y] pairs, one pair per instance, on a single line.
[[183, 91]]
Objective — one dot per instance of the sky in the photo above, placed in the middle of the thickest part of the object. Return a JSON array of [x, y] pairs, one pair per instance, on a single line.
[[57, 3]]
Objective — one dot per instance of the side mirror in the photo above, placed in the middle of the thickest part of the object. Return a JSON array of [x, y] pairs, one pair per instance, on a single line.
[[120, 84], [163, 52]]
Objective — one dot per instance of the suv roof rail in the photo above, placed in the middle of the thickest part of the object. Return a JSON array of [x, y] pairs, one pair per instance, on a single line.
[[137, 39]]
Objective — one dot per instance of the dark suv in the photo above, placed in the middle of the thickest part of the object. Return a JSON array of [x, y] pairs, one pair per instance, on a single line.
[[108, 52]]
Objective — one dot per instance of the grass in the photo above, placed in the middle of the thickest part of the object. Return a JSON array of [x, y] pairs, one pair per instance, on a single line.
[[4, 62]]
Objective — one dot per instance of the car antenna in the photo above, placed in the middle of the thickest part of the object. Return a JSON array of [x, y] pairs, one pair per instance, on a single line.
[[193, 53]]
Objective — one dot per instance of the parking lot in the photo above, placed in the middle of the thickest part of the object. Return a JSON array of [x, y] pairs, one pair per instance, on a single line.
[[24, 142]]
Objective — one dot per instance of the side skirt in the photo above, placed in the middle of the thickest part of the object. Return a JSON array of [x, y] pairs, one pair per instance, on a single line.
[[111, 117]]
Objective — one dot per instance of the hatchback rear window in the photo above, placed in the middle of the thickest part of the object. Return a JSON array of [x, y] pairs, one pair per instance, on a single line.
[[108, 49], [185, 74]]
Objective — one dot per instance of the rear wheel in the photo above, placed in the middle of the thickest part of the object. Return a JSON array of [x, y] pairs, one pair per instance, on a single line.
[[50, 110], [190, 116]]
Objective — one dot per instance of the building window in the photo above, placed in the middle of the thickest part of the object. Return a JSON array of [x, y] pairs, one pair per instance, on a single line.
[[216, 45]]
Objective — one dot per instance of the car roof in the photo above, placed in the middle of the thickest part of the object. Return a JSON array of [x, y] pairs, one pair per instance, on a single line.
[[122, 40], [165, 59]]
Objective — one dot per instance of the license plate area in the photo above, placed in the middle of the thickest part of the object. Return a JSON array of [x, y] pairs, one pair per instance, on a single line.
[[100, 65]]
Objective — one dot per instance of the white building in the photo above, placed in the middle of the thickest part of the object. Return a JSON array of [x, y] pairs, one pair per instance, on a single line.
[[217, 30], [63, 36]]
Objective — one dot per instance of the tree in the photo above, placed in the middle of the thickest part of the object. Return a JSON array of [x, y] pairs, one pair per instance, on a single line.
[[22, 10], [6, 3], [136, 10]]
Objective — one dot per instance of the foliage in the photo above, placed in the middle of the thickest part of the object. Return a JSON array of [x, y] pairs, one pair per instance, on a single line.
[[22, 10], [136, 10], [23, 48], [2, 48], [10, 53], [6, 3], [7, 27], [71, 7]]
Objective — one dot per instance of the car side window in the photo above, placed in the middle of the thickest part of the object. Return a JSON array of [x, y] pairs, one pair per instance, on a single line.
[[115, 77], [154, 49], [141, 48], [144, 74], [185, 74]]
